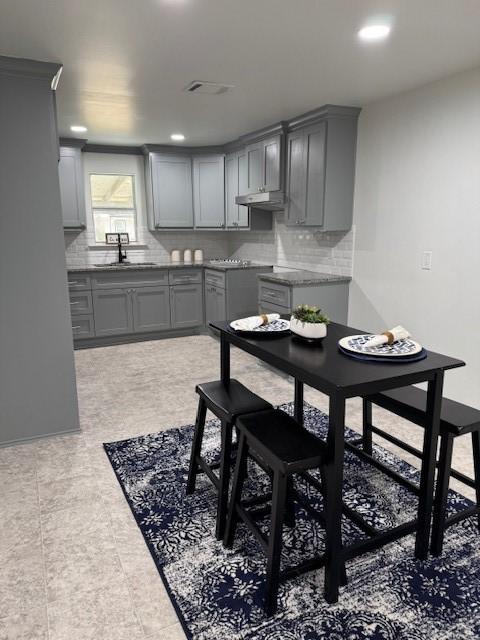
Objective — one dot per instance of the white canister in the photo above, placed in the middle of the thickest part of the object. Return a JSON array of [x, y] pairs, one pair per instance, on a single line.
[[187, 255], [198, 255], [175, 255]]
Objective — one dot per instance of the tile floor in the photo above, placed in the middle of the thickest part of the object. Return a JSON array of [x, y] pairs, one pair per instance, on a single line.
[[74, 564]]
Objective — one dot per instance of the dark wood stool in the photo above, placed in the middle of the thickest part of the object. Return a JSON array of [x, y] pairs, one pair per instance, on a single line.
[[456, 419], [226, 403], [281, 446]]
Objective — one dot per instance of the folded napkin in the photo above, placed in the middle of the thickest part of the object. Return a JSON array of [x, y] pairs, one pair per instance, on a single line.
[[251, 323], [387, 337]]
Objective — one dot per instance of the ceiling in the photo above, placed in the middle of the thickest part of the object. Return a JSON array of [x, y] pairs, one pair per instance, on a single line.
[[127, 61]]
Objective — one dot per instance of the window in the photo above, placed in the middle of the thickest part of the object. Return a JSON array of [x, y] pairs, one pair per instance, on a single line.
[[113, 205]]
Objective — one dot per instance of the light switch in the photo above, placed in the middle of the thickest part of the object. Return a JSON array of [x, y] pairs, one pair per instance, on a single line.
[[426, 260]]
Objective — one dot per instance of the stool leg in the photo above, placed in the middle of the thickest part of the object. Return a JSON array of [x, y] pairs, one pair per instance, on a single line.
[[196, 445], [226, 453], [441, 494], [476, 466], [279, 499], [367, 422], [343, 570], [238, 480], [290, 508]]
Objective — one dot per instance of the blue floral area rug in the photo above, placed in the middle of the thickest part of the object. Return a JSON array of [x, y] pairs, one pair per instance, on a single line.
[[218, 593]]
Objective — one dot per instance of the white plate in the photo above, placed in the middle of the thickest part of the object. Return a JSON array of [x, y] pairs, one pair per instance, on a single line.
[[276, 325], [356, 344]]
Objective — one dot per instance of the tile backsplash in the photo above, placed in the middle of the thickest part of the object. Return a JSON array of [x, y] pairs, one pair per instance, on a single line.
[[283, 246], [297, 248]]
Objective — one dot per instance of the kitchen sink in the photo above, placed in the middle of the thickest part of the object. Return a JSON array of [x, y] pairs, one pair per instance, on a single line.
[[127, 264]]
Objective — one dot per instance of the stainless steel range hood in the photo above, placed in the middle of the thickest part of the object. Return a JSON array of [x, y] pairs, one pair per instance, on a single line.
[[269, 200]]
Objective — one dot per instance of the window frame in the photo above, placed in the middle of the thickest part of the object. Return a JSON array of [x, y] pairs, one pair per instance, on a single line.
[[93, 208]]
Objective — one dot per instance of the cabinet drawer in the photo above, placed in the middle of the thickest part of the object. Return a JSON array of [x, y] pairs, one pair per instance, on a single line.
[[216, 278], [79, 281], [276, 293], [83, 327], [185, 276], [127, 279], [81, 303], [271, 307]]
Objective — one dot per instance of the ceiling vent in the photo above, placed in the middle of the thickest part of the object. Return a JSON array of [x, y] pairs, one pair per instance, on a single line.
[[213, 88]]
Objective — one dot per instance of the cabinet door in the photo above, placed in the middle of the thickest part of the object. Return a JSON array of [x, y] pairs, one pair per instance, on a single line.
[[186, 305], [316, 149], [112, 312], [296, 178], [231, 189], [243, 212], [255, 167], [70, 175], [171, 184], [221, 304], [151, 308], [215, 304], [271, 163], [209, 191]]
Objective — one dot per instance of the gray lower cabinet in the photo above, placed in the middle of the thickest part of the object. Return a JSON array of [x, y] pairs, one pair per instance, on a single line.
[[209, 191], [113, 312], [215, 303], [330, 296], [186, 304], [83, 326], [70, 175], [151, 308]]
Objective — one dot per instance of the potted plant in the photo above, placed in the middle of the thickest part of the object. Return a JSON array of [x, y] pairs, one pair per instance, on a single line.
[[309, 322]]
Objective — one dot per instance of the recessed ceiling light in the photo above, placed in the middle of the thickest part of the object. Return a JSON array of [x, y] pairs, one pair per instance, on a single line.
[[177, 136], [374, 32], [77, 128]]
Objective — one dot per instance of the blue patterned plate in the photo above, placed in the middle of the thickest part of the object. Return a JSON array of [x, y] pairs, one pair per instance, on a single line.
[[399, 349], [273, 329]]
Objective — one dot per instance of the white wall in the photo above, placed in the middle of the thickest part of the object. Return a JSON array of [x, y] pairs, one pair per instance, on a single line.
[[37, 378], [418, 188], [154, 246]]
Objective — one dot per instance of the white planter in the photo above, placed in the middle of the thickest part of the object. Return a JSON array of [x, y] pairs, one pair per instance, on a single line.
[[311, 330]]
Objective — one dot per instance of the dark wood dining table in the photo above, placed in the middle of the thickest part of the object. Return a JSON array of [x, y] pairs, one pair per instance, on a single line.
[[328, 370]]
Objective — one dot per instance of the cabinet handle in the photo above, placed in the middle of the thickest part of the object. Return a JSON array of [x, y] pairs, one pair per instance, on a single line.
[[73, 282], [73, 328], [72, 303]]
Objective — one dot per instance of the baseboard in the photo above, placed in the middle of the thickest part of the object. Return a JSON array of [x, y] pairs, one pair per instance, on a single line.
[[19, 441], [110, 341]]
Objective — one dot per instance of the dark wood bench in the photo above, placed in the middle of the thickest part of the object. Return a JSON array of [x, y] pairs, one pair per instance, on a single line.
[[456, 419]]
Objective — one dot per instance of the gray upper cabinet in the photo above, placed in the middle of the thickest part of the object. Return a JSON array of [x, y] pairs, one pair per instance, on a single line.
[[186, 305], [169, 191], [254, 154], [70, 174], [209, 191], [320, 170], [151, 308], [263, 159], [236, 176], [271, 159]]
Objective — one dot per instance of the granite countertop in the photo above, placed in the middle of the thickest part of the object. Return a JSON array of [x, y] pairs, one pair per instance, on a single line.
[[302, 278], [166, 265]]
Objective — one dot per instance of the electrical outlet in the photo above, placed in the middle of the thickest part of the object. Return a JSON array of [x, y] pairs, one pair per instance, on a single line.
[[426, 260]]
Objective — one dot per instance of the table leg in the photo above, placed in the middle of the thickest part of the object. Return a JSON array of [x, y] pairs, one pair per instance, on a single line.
[[298, 408], [224, 359], [429, 457], [333, 498]]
